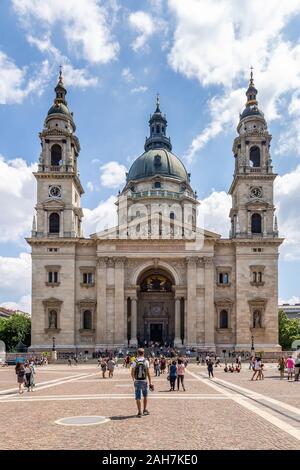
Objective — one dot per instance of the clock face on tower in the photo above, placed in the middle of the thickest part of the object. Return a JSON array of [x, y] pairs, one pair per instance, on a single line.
[[54, 191], [256, 192]]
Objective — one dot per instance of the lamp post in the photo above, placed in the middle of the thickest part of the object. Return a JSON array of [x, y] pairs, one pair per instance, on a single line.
[[224, 352], [54, 353], [252, 345]]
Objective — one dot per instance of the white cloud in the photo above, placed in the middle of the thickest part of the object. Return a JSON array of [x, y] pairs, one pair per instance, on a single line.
[[85, 25], [127, 74], [216, 42], [17, 195], [15, 275], [77, 78], [101, 217], [213, 213], [90, 186], [142, 23], [113, 174], [287, 201], [292, 301], [15, 85], [139, 89], [23, 304]]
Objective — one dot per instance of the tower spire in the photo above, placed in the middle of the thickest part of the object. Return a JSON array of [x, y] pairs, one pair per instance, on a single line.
[[158, 126], [252, 91], [60, 90], [157, 103]]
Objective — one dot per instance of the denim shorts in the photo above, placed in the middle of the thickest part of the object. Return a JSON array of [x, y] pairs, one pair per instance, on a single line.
[[141, 386]]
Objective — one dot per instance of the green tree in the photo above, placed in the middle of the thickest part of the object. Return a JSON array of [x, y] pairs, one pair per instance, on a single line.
[[14, 329], [289, 330]]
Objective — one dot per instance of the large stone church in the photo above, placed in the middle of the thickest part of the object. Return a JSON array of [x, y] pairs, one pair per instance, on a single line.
[[156, 276]]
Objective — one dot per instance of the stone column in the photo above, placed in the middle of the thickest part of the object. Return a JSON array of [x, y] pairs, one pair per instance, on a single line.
[[125, 322], [209, 314], [101, 325], [119, 301], [177, 340], [61, 224], [191, 300], [264, 221], [133, 340], [45, 223], [249, 222], [185, 320]]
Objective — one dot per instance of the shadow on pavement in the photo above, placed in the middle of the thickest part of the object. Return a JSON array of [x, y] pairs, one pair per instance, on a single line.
[[120, 418]]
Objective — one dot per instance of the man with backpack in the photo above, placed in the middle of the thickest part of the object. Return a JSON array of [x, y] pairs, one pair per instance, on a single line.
[[140, 373]]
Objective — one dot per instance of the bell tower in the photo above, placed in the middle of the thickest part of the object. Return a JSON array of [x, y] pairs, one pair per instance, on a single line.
[[252, 214], [58, 211]]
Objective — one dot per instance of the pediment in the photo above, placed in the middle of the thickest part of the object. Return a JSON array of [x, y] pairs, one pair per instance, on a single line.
[[53, 203], [256, 203], [52, 300]]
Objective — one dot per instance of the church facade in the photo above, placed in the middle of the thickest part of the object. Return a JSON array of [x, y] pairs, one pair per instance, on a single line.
[[156, 276]]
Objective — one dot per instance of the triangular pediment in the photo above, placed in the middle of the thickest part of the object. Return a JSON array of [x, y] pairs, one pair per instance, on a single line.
[[53, 203]]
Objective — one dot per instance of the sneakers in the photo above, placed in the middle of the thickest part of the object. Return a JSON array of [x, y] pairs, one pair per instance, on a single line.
[[146, 413], [139, 415]]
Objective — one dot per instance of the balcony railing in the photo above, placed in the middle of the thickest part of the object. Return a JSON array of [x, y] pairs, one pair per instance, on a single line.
[[161, 193]]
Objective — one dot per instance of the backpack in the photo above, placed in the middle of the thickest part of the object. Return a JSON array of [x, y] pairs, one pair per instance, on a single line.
[[140, 371]]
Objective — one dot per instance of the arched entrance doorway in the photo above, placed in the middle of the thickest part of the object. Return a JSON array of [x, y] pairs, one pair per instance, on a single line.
[[155, 309]]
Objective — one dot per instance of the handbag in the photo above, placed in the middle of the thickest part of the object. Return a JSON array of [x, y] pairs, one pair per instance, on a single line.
[[168, 377]]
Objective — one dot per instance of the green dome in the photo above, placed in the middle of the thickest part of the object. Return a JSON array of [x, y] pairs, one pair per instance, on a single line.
[[59, 108], [157, 162]]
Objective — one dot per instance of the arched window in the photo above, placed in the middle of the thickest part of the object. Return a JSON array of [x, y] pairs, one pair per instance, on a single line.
[[54, 223], [256, 223], [157, 129], [223, 319], [157, 184], [87, 320], [172, 216], [55, 155], [255, 156], [53, 319]]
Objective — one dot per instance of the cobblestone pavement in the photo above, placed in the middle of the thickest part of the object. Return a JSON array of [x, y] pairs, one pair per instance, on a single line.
[[228, 412]]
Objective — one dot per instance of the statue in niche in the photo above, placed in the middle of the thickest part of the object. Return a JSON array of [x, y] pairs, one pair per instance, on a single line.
[[257, 319], [53, 319]]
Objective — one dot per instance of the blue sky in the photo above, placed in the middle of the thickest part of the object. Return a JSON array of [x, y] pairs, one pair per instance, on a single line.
[[117, 56]]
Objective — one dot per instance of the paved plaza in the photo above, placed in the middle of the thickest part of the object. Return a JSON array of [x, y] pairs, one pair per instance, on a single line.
[[228, 412]]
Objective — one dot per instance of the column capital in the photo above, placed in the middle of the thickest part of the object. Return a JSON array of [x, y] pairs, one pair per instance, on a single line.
[[191, 260], [119, 262], [102, 262], [208, 261], [110, 262]]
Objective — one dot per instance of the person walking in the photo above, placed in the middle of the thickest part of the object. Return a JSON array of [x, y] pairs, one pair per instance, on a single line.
[[297, 368], [210, 368], [163, 364], [180, 374], [103, 368], [290, 364], [156, 367], [140, 374], [172, 375], [20, 372], [111, 367], [281, 367], [256, 368], [28, 373]]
